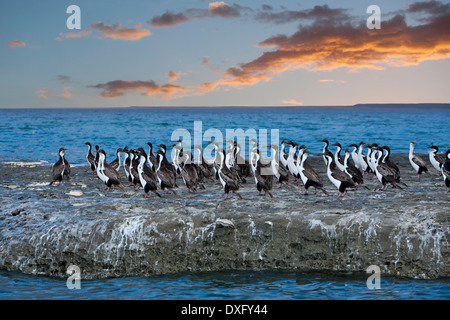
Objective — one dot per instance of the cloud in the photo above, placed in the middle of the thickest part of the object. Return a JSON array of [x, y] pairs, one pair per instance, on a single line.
[[215, 9], [63, 78], [286, 16], [116, 88], [172, 75], [205, 60], [168, 19], [67, 94], [73, 35], [117, 32], [432, 7], [325, 80], [292, 101], [329, 44], [16, 43], [43, 93], [222, 9]]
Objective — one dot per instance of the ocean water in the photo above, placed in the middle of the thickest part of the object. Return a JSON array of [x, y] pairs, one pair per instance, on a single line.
[[267, 285], [37, 135]]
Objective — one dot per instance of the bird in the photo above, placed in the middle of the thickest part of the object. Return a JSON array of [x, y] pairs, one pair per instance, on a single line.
[[446, 170], [436, 159], [226, 178], [205, 167], [353, 171], [242, 165], [291, 160], [146, 175], [340, 179], [61, 169], [338, 160], [90, 157], [165, 174], [116, 162], [283, 155], [188, 170], [370, 159], [386, 173], [107, 173], [326, 151], [151, 157], [262, 173], [417, 162], [386, 159], [166, 162], [309, 176], [279, 170], [134, 174], [126, 163]]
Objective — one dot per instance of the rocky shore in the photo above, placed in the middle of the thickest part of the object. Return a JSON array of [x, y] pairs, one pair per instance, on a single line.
[[44, 229]]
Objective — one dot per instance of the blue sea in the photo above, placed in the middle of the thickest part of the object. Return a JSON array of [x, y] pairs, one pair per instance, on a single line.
[[37, 134]]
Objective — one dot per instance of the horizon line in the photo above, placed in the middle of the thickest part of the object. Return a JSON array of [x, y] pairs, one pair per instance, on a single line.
[[414, 105]]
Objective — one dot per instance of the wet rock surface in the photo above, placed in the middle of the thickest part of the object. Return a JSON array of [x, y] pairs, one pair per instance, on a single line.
[[44, 229]]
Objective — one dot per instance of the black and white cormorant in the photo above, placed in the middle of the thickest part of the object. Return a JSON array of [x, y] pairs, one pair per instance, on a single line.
[[417, 162], [262, 173], [326, 151], [386, 172], [165, 161], [152, 162], [165, 174], [353, 171], [340, 179], [90, 157], [134, 174], [283, 154], [126, 164], [146, 175], [292, 160], [61, 169], [107, 173], [188, 170], [436, 159], [338, 160], [226, 178], [279, 170], [116, 162], [242, 165], [386, 159], [309, 176], [206, 168]]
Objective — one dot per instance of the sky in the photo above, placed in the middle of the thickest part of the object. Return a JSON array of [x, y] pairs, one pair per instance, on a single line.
[[223, 53]]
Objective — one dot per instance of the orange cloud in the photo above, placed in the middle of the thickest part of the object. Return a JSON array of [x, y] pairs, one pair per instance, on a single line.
[[43, 93], [67, 94], [328, 44], [16, 43], [292, 101], [172, 75], [117, 32], [116, 88]]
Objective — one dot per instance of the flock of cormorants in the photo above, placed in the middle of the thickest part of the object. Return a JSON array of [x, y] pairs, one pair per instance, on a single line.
[[154, 172]]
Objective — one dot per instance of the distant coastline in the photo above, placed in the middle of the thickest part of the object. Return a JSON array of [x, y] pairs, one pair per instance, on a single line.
[[359, 106]]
